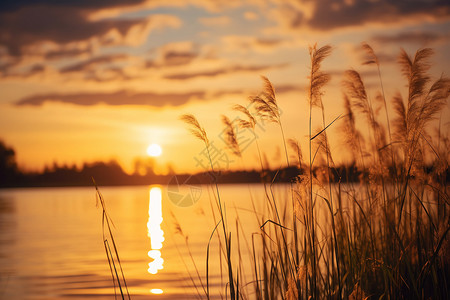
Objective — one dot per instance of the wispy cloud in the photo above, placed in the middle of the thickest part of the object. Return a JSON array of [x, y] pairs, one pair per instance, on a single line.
[[215, 21], [420, 38], [245, 43], [223, 71], [177, 58], [93, 63], [117, 98], [71, 51]]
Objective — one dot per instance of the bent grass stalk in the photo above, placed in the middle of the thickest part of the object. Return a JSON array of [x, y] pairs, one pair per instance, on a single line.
[[112, 255]]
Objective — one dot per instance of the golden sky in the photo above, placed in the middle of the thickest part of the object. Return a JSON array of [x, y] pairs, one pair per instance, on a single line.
[[85, 80]]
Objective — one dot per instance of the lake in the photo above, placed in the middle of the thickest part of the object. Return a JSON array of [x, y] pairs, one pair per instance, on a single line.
[[52, 246]]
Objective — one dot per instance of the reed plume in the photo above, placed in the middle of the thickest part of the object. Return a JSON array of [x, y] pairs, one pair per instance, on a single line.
[[230, 136], [267, 108], [317, 78], [371, 56], [251, 122], [400, 123], [195, 128], [373, 59], [422, 105], [265, 103], [415, 72], [293, 143], [435, 100], [356, 91], [352, 136]]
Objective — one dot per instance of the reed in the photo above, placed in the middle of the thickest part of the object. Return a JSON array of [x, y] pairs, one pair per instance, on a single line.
[[112, 254], [385, 236], [200, 133]]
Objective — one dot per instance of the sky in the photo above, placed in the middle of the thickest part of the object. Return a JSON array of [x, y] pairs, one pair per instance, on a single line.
[[82, 81]]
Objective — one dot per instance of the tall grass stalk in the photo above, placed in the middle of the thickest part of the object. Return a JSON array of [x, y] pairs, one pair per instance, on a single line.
[[317, 80], [200, 133], [112, 253]]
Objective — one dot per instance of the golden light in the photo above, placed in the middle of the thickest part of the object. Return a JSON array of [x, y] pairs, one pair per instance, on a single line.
[[155, 233], [156, 291], [154, 150], [157, 263]]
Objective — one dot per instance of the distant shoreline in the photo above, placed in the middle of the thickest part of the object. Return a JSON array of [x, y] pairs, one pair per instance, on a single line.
[[106, 177]]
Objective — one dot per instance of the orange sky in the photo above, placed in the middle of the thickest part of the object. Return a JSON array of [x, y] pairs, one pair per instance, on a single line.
[[98, 80]]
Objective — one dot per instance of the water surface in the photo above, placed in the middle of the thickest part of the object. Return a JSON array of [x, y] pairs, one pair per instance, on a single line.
[[52, 246]]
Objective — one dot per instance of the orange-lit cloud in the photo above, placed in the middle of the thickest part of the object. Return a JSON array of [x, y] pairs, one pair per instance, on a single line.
[[252, 43], [116, 98], [333, 14], [223, 71], [93, 63], [215, 21], [421, 38], [133, 98]]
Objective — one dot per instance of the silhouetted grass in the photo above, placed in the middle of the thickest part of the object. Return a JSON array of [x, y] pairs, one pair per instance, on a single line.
[[112, 253], [385, 237]]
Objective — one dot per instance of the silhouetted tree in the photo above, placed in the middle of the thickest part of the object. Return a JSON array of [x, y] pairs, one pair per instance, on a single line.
[[144, 166], [8, 166], [108, 173]]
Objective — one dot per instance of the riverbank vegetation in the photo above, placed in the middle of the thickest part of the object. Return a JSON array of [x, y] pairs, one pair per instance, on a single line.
[[385, 236]]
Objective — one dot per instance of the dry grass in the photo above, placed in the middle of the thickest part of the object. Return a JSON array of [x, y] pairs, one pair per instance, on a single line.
[[384, 237]]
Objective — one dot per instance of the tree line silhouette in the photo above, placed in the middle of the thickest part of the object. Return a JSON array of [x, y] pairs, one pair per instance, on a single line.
[[110, 173]]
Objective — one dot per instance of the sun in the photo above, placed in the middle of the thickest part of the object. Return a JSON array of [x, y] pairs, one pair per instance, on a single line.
[[154, 150]]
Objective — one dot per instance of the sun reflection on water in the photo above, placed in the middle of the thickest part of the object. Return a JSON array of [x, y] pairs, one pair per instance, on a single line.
[[155, 232], [156, 291]]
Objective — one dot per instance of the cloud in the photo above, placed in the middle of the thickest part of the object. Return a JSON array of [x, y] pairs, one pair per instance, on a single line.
[[128, 97], [288, 88], [36, 69], [326, 15], [78, 4], [26, 26], [222, 71], [109, 74], [172, 59], [233, 43], [215, 21], [67, 52], [5, 66], [251, 16], [117, 98], [93, 63], [421, 38], [178, 58], [174, 54]]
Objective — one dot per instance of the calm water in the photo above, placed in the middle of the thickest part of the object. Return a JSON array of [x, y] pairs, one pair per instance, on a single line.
[[51, 243]]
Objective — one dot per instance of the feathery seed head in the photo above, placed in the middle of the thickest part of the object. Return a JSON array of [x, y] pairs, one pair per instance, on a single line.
[[195, 127], [230, 136]]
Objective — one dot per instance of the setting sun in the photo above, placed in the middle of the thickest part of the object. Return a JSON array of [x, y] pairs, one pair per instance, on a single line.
[[154, 150]]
